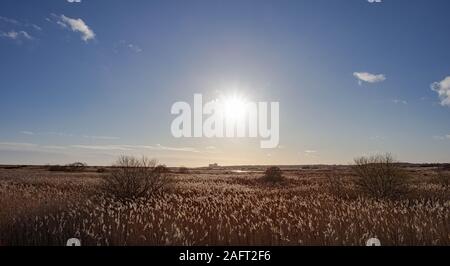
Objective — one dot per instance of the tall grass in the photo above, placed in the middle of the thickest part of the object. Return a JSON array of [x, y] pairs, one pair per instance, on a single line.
[[42, 208]]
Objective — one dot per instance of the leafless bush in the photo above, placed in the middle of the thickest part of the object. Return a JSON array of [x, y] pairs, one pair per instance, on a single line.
[[380, 176], [162, 169], [101, 170], [183, 170], [133, 178], [56, 168], [73, 167], [273, 174], [76, 167]]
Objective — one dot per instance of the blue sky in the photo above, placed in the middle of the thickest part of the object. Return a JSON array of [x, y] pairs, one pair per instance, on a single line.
[[91, 80]]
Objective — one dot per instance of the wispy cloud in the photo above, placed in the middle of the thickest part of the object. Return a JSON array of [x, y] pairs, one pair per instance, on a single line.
[[9, 20], [16, 35], [377, 138], [36, 27], [124, 147], [134, 48], [30, 147], [17, 23], [77, 25], [64, 134], [103, 147], [59, 134], [443, 89], [442, 137], [313, 154], [27, 132], [100, 137], [74, 1], [22, 146], [368, 77], [124, 45], [53, 147], [397, 101], [17, 146], [186, 149]]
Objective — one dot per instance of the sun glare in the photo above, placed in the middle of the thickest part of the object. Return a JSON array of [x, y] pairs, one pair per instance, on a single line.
[[235, 107]]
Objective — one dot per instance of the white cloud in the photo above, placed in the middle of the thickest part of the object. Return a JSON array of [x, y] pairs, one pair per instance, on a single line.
[[442, 137], [377, 138], [100, 137], [160, 147], [124, 45], [310, 154], [397, 101], [60, 23], [134, 48], [64, 134], [19, 23], [25, 35], [368, 77], [210, 147], [27, 132], [17, 146], [157, 147], [59, 134], [53, 147], [74, 1], [443, 90], [77, 25], [36, 27], [9, 20], [29, 147], [103, 147], [16, 35]]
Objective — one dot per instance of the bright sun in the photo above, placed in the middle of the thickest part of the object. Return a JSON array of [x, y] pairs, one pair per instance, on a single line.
[[235, 107]]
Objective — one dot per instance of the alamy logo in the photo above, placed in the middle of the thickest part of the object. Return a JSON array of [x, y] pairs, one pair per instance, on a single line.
[[227, 117]]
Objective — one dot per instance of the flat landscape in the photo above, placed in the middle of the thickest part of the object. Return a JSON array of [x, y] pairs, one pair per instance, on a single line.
[[314, 205]]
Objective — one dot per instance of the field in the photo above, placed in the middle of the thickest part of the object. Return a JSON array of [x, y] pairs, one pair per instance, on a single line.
[[220, 207]]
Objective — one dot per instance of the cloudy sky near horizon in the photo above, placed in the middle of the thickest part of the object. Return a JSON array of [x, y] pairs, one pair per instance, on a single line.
[[84, 80]]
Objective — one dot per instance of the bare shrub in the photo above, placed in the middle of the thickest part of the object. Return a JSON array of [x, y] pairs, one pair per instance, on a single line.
[[101, 170], [162, 169], [56, 168], [133, 178], [380, 176], [76, 167], [183, 170], [73, 167], [273, 174]]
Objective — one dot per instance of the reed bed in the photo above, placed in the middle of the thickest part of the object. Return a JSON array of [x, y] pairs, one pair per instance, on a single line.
[[41, 208]]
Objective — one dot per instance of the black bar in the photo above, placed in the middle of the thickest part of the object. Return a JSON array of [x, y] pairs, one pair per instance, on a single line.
[[242, 255]]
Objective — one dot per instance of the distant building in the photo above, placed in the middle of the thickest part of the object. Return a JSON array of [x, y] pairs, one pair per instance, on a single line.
[[213, 165]]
